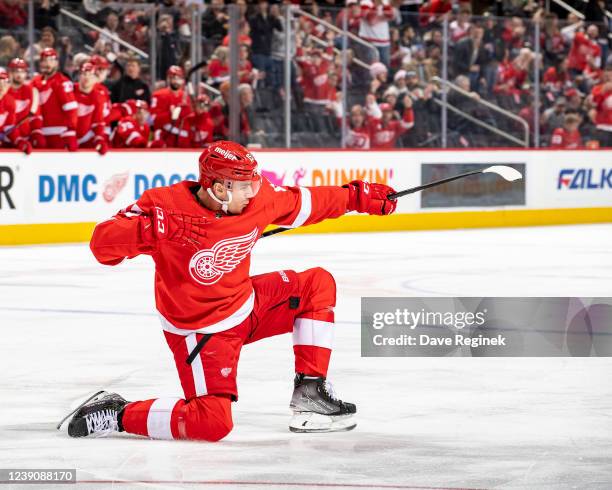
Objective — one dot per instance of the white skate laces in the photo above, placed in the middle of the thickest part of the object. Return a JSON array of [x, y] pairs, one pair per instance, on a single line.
[[102, 423]]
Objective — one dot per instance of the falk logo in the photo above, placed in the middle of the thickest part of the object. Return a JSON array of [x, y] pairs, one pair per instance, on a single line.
[[113, 186], [208, 266], [225, 372], [585, 178]]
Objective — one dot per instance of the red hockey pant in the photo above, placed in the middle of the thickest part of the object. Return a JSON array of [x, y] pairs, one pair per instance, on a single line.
[[285, 301]]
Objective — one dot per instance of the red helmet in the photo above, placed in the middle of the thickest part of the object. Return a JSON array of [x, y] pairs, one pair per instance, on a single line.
[[227, 160], [99, 62], [17, 64], [48, 53], [175, 71], [384, 107], [87, 67]]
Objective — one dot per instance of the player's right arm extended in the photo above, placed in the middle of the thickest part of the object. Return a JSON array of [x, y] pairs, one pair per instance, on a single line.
[[125, 235]]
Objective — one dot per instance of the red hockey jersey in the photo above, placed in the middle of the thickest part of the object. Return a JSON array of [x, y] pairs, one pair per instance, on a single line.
[[90, 115], [129, 134], [58, 105], [162, 102], [209, 290], [23, 103], [8, 132]]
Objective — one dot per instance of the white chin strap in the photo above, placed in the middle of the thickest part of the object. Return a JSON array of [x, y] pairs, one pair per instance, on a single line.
[[224, 204]]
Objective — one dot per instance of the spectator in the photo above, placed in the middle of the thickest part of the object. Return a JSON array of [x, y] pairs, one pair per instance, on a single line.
[[567, 137], [584, 48], [358, 131], [218, 68], [471, 57], [553, 117], [263, 25], [244, 37], [9, 48], [111, 27], [215, 21], [168, 42], [45, 13], [12, 14], [385, 130], [200, 123], [275, 78], [130, 85], [601, 97], [374, 26], [47, 40], [460, 27], [379, 74], [315, 68], [353, 14]]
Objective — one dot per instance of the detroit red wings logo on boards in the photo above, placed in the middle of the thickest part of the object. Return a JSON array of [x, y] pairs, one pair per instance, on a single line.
[[208, 266]]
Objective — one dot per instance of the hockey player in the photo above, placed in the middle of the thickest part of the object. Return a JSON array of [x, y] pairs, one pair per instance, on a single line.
[[133, 131], [23, 93], [165, 100], [57, 103], [101, 71], [200, 123], [191, 129], [90, 115], [10, 132], [200, 236]]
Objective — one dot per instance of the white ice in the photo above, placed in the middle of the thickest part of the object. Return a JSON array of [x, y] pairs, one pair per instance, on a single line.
[[71, 326]]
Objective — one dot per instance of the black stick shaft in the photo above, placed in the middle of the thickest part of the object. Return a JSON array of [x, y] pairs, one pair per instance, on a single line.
[[412, 190], [396, 195]]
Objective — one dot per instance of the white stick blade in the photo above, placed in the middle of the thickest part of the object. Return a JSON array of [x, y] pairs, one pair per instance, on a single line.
[[508, 173]]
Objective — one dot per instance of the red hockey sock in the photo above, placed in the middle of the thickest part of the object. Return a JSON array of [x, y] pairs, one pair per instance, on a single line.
[[207, 418]]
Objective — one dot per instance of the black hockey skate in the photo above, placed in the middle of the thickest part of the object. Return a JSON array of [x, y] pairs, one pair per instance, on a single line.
[[316, 408], [97, 417]]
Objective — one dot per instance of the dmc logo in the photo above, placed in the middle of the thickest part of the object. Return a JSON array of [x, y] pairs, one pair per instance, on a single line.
[[67, 188], [227, 154], [585, 178], [6, 182]]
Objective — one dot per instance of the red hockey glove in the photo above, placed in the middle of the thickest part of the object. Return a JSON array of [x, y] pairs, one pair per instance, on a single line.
[[101, 145], [157, 144], [25, 147], [38, 140], [370, 198], [70, 141], [175, 227]]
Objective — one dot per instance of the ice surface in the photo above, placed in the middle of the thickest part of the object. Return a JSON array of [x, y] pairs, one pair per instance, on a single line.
[[71, 326]]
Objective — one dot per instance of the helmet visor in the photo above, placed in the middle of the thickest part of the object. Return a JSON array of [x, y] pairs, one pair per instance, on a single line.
[[245, 188]]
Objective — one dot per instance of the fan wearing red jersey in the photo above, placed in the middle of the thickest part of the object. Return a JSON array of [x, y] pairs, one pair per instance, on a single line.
[[90, 114], [57, 103], [385, 131], [30, 122], [133, 131], [10, 134], [200, 236]]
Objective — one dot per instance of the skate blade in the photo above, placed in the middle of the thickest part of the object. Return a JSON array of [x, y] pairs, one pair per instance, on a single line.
[[310, 422], [81, 405]]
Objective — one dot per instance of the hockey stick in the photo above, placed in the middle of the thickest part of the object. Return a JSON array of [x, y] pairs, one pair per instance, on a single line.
[[508, 173]]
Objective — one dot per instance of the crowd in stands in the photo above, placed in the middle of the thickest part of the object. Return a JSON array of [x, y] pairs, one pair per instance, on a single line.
[[88, 90]]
